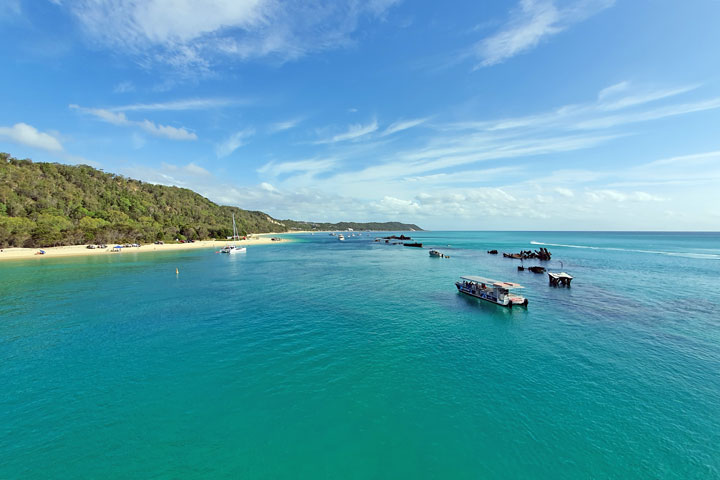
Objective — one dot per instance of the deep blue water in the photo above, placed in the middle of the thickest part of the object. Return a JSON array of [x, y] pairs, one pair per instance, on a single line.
[[327, 359]]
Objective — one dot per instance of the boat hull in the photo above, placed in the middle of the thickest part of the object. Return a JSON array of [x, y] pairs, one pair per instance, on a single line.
[[233, 251], [486, 295]]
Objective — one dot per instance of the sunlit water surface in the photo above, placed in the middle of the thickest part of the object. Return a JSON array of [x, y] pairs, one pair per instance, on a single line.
[[324, 359]]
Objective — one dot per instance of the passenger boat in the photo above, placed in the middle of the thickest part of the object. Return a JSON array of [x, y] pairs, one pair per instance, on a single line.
[[341, 237], [232, 248], [491, 291], [559, 279]]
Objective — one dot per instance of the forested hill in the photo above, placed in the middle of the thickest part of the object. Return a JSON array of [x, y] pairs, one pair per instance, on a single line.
[[375, 226], [46, 204]]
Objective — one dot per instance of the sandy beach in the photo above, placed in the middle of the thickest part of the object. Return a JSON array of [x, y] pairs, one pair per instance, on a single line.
[[82, 250]]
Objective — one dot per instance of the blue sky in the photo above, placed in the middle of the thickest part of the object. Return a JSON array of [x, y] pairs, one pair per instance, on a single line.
[[520, 114]]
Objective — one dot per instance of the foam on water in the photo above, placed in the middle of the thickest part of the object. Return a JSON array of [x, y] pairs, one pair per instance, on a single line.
[[706, 256]]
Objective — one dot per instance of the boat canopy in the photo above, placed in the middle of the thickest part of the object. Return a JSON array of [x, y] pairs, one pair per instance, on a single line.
[[494, 283], [560, 275]]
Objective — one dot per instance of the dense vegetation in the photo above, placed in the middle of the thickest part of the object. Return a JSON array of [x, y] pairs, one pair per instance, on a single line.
[[46, 204], [375, 226]]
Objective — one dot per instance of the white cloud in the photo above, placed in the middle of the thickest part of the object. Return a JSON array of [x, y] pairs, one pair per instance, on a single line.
[[610, 101], [186, 34], [655, 114], [196, 169], [166, 131], [268, 187], [616, 196], [233, 142], [397, 207], [696, 159], [353, 132], [312, 166], [28, 135], [120, 119], [403, 125], [594, 115], [532, 22], [464, 176], [565, 192], [187, 104], [286, 125], [613, 90]]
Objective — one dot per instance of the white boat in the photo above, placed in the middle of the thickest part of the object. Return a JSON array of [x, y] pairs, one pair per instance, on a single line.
[[341, 237], [232, 248], [493, 291]]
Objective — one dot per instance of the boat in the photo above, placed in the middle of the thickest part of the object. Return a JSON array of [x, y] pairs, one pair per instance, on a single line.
[[435, 253], [232, 248], [341, 237], [560, 279], [493, 291]]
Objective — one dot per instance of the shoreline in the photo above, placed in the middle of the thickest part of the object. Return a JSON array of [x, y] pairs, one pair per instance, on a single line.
[[82, 250]]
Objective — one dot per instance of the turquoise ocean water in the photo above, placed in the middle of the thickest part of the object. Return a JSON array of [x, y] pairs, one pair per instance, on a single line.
[[322, 359]]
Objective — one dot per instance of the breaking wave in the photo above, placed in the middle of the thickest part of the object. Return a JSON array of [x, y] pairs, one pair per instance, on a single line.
[[706, 256]]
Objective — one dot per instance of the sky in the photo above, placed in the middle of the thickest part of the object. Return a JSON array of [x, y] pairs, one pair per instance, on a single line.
[[464, 115]]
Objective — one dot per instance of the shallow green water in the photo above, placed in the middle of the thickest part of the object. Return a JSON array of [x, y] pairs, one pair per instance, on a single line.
[[322, 359]]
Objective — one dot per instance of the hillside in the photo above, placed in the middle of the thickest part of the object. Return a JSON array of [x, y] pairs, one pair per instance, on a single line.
[[375, 226], [47, 204]]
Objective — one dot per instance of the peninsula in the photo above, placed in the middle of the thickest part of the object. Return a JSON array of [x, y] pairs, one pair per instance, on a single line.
[[51, 204]]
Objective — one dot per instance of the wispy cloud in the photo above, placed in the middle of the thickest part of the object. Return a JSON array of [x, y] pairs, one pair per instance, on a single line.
[[179, 105], [189, 34], [530, 23], [611, 98], [353, 132], [27, 135], [616, 196], [285, 125], [120, 119], [403, 125], [654, 114], [616, 105], [233, 142], [313, 166]]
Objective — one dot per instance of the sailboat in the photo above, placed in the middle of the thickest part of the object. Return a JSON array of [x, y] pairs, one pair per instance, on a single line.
[[232, 248]]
